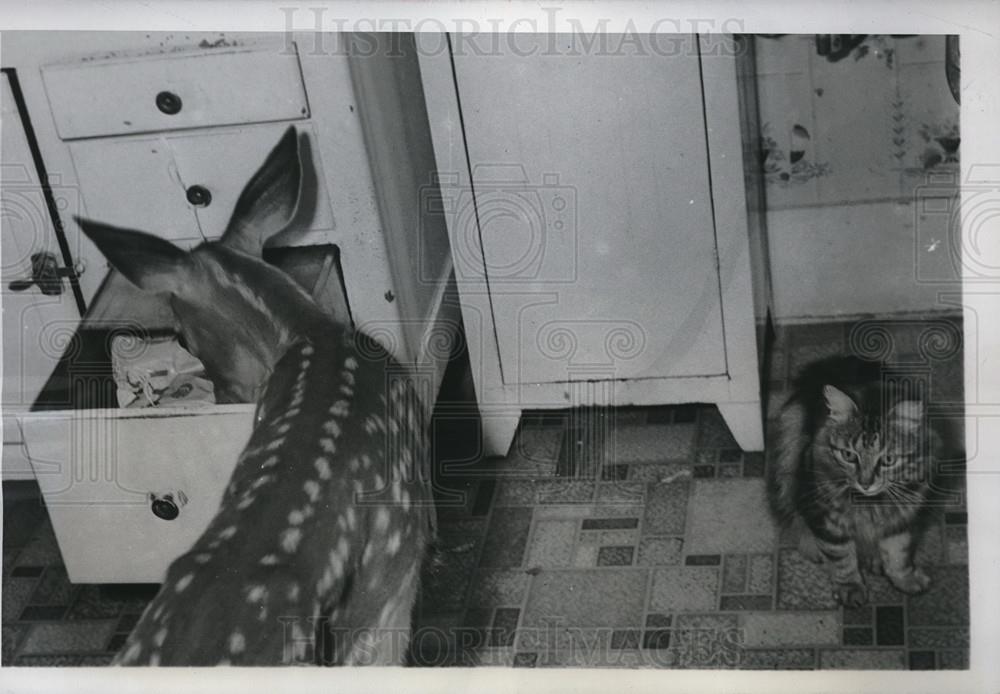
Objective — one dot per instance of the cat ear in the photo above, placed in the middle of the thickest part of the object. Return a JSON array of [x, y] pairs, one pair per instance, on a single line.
[[907, 413], [839, 403]]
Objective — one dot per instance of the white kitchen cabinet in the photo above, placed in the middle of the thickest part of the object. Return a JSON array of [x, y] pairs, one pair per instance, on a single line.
[[604, 222], [36, 327], [94, 99]]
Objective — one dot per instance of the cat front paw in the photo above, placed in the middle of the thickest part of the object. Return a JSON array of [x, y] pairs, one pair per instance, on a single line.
[[851, 594], [915, 581], [808, 547]]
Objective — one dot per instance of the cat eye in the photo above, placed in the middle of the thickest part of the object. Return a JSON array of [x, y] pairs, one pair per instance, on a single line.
[[848, 456], [889, 459]]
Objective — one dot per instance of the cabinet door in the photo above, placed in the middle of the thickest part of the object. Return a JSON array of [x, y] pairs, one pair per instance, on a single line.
[[592, 202], [36, 328]]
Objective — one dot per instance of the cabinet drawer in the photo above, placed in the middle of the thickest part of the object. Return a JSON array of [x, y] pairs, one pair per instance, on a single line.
[[145, 181], [97, 468], [123, 96]]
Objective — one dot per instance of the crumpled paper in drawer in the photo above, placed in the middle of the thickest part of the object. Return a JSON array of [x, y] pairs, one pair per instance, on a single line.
[[156, 372]]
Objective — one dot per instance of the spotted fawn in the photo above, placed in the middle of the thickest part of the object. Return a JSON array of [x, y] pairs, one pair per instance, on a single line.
[[315, 552]]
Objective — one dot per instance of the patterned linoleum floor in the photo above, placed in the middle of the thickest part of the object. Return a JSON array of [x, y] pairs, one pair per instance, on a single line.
[[632, 537]]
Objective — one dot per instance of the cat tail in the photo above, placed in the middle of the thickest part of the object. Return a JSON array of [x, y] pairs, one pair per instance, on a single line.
[[790, 438]]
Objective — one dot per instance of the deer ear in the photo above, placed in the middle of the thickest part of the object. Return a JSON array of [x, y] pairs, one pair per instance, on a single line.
[[840, 404], [147, 261], [269, 201]]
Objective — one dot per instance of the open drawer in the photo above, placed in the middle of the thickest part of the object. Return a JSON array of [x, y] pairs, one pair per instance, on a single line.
[[113, 479], [129, 490]]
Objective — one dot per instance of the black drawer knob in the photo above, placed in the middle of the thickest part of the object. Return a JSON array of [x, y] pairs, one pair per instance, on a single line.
[[199, 196], [164, 507], [168, 103]]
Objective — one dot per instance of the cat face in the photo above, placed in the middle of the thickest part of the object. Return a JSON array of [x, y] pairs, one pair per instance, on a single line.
[[874, 453]]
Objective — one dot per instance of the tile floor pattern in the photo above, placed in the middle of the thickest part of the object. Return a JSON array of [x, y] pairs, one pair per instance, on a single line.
[[637, 537]]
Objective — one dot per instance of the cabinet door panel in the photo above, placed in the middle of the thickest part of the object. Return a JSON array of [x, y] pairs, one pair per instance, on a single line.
[[593, 206], [36, 327]]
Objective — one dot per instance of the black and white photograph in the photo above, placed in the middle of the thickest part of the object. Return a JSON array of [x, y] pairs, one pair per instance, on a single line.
[[485, 338]]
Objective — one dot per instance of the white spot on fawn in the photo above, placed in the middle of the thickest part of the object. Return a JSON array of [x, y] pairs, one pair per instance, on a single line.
[[202, 558], [336, 564], [348, 377], [347, 390], [270, 462], [379, 482], [382, 520], [160, 637], [261, 481], [387, 610], [183, 583], [276, 444], [292, 412], [352, 518], [305, 364], [132, 653], [154, 659], [327, 444], [406, 500], [355, 464], [366, 556], [293, 592], [325, 582], [340, 408], [269, 560], [227, 533], [296, 517], [322, 468], [246, 502], [351, 363], [257, 593], [392, 546], [307, 350], [290, 539], [332, 428], [237, 642], [366, 461], [311, 487], [284, 428]]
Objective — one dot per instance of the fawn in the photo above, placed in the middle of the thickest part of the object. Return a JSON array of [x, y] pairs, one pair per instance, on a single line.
[[323, 528]]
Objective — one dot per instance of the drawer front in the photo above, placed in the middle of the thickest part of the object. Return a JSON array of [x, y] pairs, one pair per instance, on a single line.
[[170, 92], [144, 182], [97, 469]]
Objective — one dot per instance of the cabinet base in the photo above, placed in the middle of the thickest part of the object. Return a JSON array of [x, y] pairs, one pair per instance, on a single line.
[[745, 424]]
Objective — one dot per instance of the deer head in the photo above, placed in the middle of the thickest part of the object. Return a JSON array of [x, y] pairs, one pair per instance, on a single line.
[[235, 312]]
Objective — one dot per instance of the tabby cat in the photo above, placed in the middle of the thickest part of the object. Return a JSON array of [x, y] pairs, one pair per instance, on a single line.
[[853, 468]]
